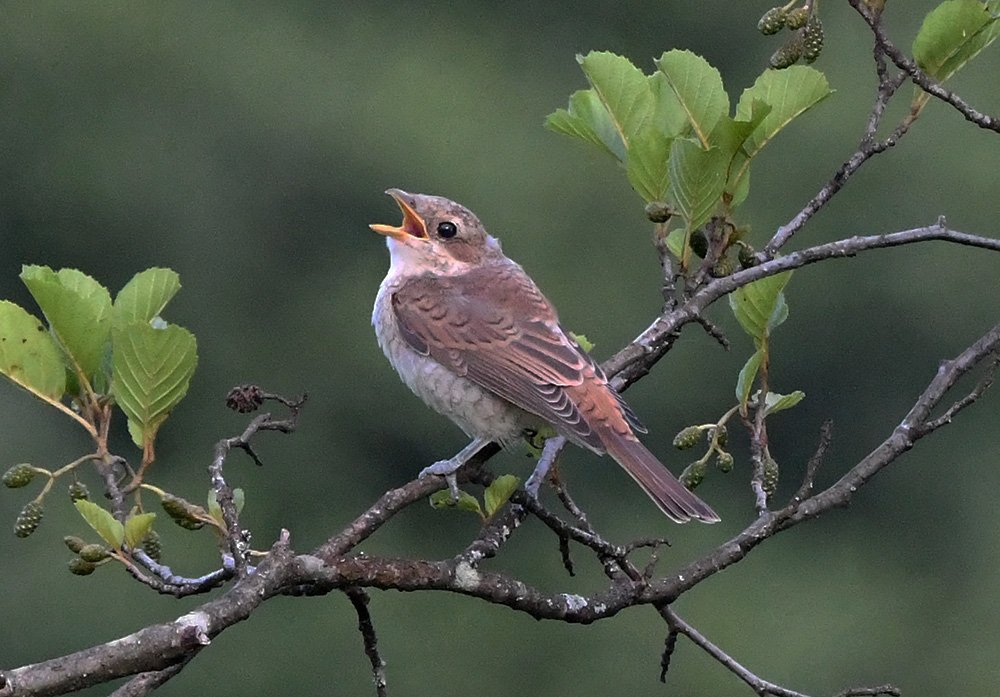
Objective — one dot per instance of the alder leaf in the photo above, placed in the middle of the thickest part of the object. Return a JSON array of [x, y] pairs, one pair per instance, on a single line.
[[28, 354], [151, 371], [499, 492], [103, 523]]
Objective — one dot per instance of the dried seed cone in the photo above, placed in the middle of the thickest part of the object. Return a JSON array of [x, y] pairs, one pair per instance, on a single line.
[[74, 543], [28, 519], [151, 545], [182, 512], [699, 243], [770, 476], [724, 462], [78, 491], [723, 438], [772, 21], [812, 39], [693, 475], [787, 55], [245, 398], [797, 18], [746, 256], [687, 438], [81, 567], [723, 267], [93, 553], [18, 476]]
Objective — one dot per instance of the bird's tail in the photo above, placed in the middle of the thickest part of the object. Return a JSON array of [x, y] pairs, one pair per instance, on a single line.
[[672, 497]]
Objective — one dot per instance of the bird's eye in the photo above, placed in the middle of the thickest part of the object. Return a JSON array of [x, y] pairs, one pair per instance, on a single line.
[[447, 229]]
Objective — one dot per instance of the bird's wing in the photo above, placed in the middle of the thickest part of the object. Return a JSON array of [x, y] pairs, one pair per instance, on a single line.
[[493, 326]]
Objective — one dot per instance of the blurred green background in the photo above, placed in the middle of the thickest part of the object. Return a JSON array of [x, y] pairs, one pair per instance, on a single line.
[[247, 145]]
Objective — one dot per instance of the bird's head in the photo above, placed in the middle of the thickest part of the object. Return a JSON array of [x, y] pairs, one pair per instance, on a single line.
[[436, 235]]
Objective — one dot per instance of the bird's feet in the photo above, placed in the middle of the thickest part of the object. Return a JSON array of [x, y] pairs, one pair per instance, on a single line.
[[449, 468], [550, 451]]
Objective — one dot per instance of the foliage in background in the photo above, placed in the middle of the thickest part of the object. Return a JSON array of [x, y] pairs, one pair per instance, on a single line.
[[673, 133], [95, 355]]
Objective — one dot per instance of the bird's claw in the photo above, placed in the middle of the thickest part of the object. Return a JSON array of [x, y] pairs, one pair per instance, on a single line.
[[447, 469], [453, 491]]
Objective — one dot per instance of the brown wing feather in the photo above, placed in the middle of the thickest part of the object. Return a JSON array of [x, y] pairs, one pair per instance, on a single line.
[[495, 327]]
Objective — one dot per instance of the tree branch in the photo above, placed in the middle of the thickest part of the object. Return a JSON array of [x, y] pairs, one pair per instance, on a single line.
[[918, 76], [637, 358], [160, 647]]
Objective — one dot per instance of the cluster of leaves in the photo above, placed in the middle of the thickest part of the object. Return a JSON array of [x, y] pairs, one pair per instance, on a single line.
[[495, 496], [690, 161], [90, 356], [120, 537], [760, 307], [96, 353], [951, 35], [673, 133]]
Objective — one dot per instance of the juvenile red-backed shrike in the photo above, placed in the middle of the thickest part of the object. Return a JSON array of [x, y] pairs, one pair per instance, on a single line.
[[470, 333]]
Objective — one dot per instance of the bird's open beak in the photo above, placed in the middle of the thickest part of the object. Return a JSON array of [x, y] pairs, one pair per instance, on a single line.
[[413, 226]]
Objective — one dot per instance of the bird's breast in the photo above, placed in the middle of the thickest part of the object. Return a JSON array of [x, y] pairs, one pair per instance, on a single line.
[[476, 410]]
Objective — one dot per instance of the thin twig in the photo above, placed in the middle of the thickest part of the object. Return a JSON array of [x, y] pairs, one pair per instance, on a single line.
[[144, 683], [714, 331], [238, 539], [984, 384], [359, 599], [166, 582], [757, 684], [812, 467], [638, 357]]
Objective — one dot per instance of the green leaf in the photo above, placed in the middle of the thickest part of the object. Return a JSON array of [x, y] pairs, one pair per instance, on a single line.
[[698, 88], [135, 430], [738, 191], [952, 34], [730, 136], [498, 493], [623, 90], [78, 310], [145, 296], [646, 164], [760, 306], [675, 242], [215, 510], [466, 502], [788, 92], [779, 314], [588, 120], [697, 180], [669, 116], [586, 344], [775, 402], [748, 374], [136, 527], [28, 355], [103, 523], [151, 371]]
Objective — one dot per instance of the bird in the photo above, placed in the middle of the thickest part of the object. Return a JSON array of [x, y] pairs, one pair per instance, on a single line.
[[472, 335]]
